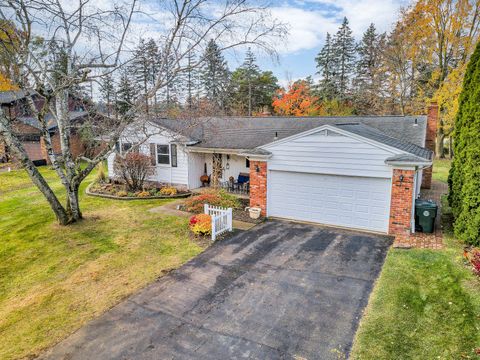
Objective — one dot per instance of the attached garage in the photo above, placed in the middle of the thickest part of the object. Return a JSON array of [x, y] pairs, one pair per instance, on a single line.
[[331, 176], [347, 201]]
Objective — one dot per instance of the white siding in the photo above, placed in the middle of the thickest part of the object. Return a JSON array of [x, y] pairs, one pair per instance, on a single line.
[[330, 154], [163, 173], [196, 163], [236, 165]]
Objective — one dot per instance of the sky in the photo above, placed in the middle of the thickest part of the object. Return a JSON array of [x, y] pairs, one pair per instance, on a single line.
[[310, 20]]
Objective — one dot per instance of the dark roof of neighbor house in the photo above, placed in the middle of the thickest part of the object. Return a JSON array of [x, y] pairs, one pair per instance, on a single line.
[[51, 122], [7, 97], [406, 133]]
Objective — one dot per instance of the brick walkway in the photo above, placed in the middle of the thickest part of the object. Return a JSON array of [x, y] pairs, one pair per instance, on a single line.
[[422, 240]]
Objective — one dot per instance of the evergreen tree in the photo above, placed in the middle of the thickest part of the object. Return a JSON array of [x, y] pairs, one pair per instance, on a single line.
[[251, 73], [107, 91], [152, 66], [215, 76], [344, 59], [191, 79], [464, 179], [326, 69], [126, 92], [370, 76], [141, 69]]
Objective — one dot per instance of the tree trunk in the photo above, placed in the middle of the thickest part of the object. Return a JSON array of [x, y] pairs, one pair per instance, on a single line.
[[21, 155], [439, 143], [73, 205]]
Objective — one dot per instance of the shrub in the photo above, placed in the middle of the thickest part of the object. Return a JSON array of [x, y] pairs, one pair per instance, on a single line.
[[201, 224], [143, 194], [475, 261], [133, 168], [101, 176], [212, 197], [464, 196], [122, 193], [168, 190]]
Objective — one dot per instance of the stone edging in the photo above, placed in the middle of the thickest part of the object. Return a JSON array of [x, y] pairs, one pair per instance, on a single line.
[[113, 197]]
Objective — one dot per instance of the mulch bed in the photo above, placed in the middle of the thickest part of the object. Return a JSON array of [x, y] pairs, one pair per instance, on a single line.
[[238, 214], [110, 190]]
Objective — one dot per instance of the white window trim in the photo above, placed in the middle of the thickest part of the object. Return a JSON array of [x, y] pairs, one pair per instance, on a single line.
[[169, 156]]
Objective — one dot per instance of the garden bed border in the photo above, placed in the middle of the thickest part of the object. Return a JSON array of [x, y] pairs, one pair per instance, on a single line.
[[158, 197]]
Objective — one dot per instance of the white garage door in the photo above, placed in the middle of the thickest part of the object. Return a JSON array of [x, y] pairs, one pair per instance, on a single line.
[[347, 201]]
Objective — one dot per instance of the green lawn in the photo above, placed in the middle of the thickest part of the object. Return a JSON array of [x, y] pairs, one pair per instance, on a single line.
[[54, 279], [425, 305], [441, 167]]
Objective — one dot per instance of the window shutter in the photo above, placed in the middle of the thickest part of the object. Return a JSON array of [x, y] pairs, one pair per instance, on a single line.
[[153, 157], [173, 150]]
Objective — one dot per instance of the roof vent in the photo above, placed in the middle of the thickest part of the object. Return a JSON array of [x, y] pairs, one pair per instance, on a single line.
[[276, 136], [416, 122]]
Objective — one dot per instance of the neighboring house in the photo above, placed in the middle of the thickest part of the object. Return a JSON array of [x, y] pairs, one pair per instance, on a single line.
[[356, 172], [28, 128]]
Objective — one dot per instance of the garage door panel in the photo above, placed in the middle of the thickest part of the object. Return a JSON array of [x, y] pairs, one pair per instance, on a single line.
[[357, 202]]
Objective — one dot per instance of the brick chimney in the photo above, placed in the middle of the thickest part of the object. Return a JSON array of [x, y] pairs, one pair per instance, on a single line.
[[432, 120]]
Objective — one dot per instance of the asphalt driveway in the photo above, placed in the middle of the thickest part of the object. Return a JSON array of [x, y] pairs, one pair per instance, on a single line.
[[278, 291]]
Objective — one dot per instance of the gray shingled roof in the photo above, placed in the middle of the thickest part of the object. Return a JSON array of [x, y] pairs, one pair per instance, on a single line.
[[7, 97], [377, 135], [404, 158], [403, 132]]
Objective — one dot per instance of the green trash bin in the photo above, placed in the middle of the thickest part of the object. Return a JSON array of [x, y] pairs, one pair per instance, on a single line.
[[425, 213]]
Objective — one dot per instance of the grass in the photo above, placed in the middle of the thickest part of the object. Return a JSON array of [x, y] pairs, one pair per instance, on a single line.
[[54, 279], [425, 305], [441, 167]]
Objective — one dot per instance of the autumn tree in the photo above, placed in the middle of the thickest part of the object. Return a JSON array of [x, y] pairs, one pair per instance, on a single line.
[[442, 34], [91, 37], [296, 101]]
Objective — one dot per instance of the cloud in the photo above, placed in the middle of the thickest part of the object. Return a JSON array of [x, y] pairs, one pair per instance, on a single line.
[[310, 20]]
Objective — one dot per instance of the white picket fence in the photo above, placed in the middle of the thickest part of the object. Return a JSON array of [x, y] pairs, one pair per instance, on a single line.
[[221, 219]]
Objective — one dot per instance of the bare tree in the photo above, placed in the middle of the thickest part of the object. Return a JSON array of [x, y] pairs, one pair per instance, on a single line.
[[61, 46]]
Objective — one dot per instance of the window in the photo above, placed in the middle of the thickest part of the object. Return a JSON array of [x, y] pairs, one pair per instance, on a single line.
[[126, 146], [247, 163], [163, 154], [173, 150]]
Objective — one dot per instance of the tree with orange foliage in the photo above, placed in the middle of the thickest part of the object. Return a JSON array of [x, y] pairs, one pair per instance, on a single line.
[[297, 101], [6, 84]]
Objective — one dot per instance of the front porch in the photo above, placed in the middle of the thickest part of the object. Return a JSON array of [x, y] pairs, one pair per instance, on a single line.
[[222, 170], [241, 191]]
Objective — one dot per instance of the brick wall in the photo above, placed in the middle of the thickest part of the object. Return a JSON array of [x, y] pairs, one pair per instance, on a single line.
[[432, 120], [258, 185], [401, 202], [76, 146]]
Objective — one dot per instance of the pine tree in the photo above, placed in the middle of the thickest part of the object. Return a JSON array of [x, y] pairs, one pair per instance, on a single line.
[[152, 66], [370, 76], [107, 91], [464, 179], [141, 69], [344, 59], [215, 76], [191, 81], [126, 92], [251, 72], [326, 69]]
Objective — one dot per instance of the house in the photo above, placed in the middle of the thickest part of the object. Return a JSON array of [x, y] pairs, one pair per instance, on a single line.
[[28, 129], [360, 172]]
